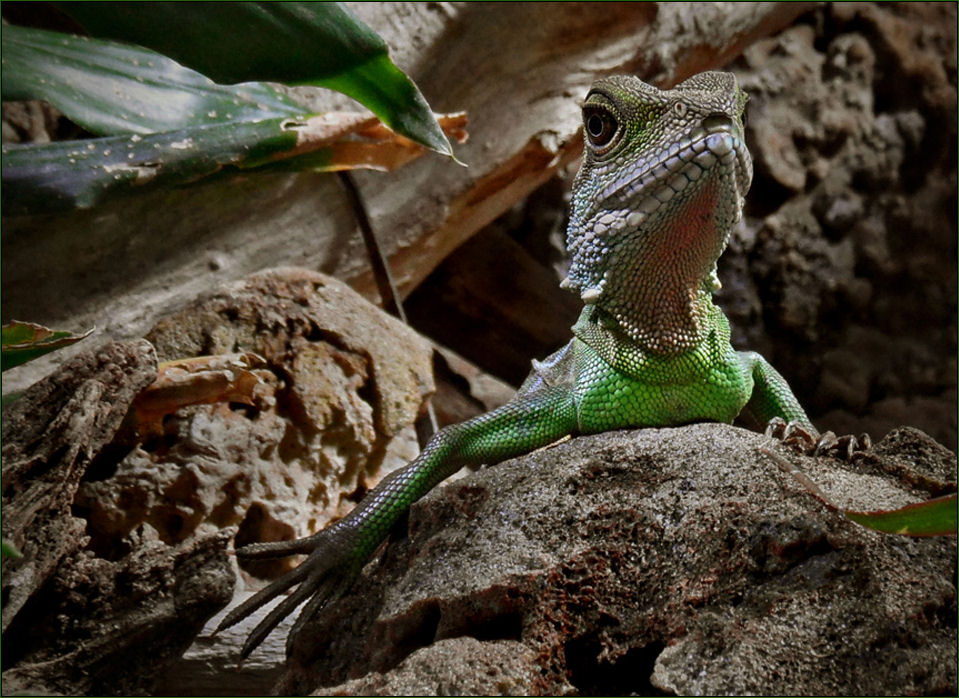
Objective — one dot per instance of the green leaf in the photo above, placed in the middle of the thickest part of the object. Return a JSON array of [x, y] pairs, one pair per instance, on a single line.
[[297, 43], [110, 88], [81, 174], [935, 517], [178, 126], [8, 549], [21, 342], [379, 85]]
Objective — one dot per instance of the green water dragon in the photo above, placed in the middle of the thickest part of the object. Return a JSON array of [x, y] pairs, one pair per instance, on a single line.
[[661, 186]]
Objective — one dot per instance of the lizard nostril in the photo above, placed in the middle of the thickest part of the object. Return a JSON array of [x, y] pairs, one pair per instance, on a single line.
[[716, 122]]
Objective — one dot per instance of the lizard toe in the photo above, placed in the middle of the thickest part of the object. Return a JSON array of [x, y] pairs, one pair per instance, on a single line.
[[792, 434], [324, 576], [280, 548], [843, 447]]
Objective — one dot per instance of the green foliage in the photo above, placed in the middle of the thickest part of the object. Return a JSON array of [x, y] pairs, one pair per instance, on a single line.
[[935, 517], [125, 89], [81, 174], [8, 549], [298, 43], [21, 342], [164, 124]]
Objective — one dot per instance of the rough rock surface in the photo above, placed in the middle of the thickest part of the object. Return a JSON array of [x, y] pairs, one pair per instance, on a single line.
[[115, 627], [850, 230], [131, 535], [674, 560], [461, 666], [50, 435], [74, 621], [344, 384]]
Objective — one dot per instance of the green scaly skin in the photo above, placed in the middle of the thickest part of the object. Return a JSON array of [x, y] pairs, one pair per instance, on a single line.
[[660, 188]]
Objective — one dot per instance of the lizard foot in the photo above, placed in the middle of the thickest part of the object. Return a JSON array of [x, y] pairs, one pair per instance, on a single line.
[[798, 437], [323, 577]]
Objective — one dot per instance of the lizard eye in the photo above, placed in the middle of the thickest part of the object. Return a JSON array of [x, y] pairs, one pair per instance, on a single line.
[[600, 125]]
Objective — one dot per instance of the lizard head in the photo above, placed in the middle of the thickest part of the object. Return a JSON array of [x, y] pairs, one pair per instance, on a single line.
[[661, 185]]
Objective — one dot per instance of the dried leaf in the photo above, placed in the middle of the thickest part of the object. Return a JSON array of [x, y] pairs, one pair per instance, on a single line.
[[198, 380], [21, 342]]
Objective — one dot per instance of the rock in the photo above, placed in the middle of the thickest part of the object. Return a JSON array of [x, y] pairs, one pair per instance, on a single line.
[[488, 299], [211, 666], [51, 434], [345, 385], [679, 560], [852, 130], [885, 415], [462, 390], [460, 666], [104, 627], [74, 621], [132, 532]]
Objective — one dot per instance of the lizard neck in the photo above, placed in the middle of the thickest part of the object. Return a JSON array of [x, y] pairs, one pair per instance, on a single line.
[[662, 298], [607, 339], [662, 320]]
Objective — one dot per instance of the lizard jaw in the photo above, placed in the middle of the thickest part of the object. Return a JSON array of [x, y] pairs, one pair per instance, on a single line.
[[685, 161]]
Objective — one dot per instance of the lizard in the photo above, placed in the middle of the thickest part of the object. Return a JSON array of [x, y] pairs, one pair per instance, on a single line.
[[661, 185]]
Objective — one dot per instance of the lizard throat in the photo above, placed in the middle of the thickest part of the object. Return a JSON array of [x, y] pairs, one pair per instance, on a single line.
[[663, 299]]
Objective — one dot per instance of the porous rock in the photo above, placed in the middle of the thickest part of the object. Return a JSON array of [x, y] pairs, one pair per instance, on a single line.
[[461, 666], [115, 627], [843, 273], [344, 384], [50, 435]]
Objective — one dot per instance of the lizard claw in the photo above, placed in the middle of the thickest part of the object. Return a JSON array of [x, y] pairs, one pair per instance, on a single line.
[[841, 447], [826, 444], [322, 578], [791, 434]]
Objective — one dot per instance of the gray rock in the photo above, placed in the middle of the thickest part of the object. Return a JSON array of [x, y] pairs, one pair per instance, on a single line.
[[460, 666], [342, 386], [678, 560], [50, 436]]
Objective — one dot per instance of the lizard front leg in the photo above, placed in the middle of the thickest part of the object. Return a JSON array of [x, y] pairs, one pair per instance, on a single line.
[[772, 396], [338, 553]]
